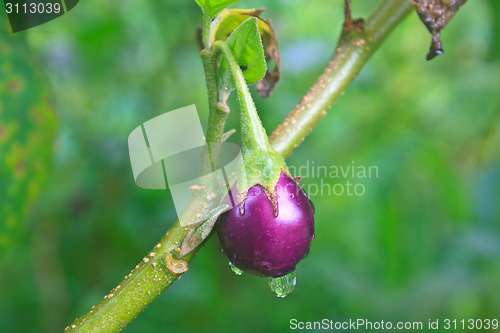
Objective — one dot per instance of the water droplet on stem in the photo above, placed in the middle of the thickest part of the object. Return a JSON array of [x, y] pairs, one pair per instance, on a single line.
[[235, 269], [283, 286]]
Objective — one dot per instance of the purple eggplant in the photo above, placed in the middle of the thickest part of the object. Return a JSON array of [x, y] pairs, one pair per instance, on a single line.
[[268, 234]]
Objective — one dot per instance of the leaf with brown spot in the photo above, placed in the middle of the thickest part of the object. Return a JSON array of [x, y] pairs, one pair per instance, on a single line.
[[27, 134], [435, 14], [229, 19]]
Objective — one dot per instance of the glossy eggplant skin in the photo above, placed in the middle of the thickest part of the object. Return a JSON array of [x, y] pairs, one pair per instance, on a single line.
[[258, 241]]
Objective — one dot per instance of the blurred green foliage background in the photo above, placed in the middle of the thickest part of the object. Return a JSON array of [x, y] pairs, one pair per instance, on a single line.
[[423, 242]]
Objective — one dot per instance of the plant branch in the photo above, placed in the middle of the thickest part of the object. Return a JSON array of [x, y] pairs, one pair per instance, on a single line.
[[354, 48], [217, 114], [205, 32], [153, 275]]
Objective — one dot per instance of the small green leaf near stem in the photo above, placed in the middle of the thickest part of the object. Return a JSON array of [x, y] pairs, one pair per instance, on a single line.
[[246, 46], [229, 19]]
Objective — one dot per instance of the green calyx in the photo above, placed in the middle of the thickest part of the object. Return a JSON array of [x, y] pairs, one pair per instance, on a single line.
[[261, 167]]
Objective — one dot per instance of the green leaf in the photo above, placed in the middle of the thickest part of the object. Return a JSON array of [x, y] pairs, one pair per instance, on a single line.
[[247, 49], [213, 7], [27, 133], [229, 19]]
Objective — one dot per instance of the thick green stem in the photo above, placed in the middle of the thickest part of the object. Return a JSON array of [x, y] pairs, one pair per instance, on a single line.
[[353, 50], [151, 276], [217, 115], [262, 164], [253, 135], [138, 289]]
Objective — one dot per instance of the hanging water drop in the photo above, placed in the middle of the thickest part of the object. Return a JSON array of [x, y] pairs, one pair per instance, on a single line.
[[235, 269], [221, 249], [283, 286]]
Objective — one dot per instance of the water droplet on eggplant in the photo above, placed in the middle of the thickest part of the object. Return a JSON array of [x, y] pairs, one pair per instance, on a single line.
[[283, 286]]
